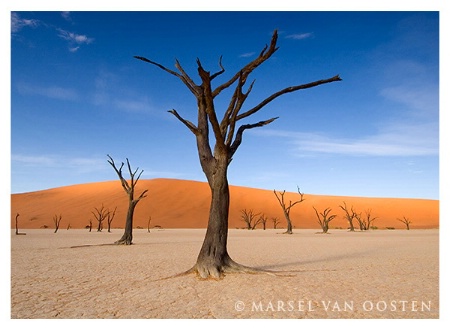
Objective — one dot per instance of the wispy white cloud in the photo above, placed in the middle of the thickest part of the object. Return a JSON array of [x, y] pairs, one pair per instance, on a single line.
[[54, 92], [300, 36], [419, 139], [33, 160], [17, 23], [80, 164], [247, 54], [133, 105], [74, 39], [66, 16]]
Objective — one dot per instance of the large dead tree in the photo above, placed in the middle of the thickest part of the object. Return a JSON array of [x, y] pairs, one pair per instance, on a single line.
[[287, 207], [127, 236], [213, 259]]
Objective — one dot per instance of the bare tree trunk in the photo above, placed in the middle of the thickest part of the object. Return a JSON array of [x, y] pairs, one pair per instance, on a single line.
[[127, 236], [17, 227], [213, 258]]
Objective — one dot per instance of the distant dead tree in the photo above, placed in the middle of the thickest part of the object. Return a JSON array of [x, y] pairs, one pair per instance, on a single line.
[[365, 222], [68, 226], [350, 215], [287, 208], [110, 218], [57, 221], [275, 222], [100, 215], [148, 223], [263, 219], [90, 225], [406, 221], [132, 202], [250, 218], [324, 218], [17, 226]]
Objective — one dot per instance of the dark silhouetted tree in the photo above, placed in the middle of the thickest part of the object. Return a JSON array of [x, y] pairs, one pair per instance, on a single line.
[[406, 221], [263, 219], [17, 225], [57, 221], [324, 219], [287, 207], [350, 215], [110, 218], [366, 222], [127, 237], [213, 259], [100, 215], [275, 222], [250, 218]]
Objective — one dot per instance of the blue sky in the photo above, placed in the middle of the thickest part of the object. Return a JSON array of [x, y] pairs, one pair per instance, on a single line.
[[77, 94]]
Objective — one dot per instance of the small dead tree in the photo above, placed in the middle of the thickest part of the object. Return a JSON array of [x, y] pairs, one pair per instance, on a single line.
[[350, 215], [69, 226], [250, 218], [90, 225], [132, 201], [263, 219], [110, 218], [287, 207], [275, 222], [406, 221], [17, 225], [365, 222], [324, 218], [100, 215], [148, 223], [57, 221], [369, 220]]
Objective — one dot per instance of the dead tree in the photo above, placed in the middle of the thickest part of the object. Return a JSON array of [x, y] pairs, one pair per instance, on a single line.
[[263, 219], [365, 223], [110, 218], [100, 215], [17, 225], [324, 219], [213, 259], [129, 187], [148, 223], [350, 215], [406, 221], [287, 208], [249, 217], [275, 222], [57, 221], [90, 225]]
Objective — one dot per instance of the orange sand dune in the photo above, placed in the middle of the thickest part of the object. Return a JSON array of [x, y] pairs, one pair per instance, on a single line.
[[185, 204]]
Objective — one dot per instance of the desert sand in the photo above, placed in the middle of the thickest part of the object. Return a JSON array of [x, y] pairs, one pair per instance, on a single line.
[[372, 274], [185, 204]]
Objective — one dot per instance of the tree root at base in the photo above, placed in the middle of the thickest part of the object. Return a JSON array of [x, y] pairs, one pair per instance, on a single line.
[[218, 273]]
